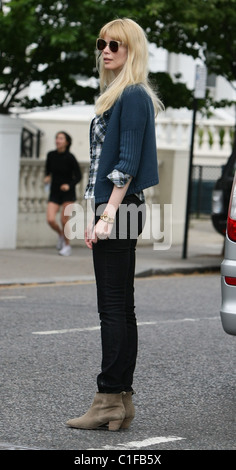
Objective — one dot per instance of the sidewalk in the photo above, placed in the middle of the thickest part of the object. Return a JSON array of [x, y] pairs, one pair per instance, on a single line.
[[44, 265]]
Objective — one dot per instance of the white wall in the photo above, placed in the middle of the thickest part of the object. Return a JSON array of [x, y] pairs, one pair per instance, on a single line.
[[10, 131], [224, 90], [75, 120]]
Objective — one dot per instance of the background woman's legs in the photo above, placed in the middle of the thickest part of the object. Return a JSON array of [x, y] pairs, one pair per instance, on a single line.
[[64, 220], [52, 210], [66, 249]]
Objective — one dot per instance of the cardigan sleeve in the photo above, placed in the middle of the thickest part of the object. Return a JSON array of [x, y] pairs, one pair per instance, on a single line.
[[118, 178], [133, 118]]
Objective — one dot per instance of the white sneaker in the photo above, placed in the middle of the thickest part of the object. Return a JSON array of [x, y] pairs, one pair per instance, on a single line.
[[60, 242], [66, 250]]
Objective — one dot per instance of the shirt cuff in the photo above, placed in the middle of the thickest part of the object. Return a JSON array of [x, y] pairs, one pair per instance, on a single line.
[[118, 178]]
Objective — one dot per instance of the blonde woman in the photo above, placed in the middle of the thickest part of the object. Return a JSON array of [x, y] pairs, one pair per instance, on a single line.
[[123, 164]]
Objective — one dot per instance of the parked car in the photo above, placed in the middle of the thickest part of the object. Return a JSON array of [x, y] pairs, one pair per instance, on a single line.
[[228, 269], [221, 195]]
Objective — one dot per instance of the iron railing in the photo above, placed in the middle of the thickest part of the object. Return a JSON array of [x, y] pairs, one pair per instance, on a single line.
[[30, 143]]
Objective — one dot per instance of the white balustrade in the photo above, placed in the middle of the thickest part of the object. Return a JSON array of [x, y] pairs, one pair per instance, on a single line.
[[213, 144], [211, 136], [32, 195], [212, 139]]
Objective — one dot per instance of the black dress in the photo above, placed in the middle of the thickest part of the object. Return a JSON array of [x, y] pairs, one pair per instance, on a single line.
[[63, 169]]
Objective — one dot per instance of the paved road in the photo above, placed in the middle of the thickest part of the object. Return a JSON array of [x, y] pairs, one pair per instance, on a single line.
[[185, 377]]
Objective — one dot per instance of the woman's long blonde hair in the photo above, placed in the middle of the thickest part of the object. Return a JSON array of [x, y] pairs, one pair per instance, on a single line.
[[135, 70]]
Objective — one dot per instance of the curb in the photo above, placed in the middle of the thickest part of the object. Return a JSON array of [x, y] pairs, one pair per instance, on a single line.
[[152, 272], [172, 271]]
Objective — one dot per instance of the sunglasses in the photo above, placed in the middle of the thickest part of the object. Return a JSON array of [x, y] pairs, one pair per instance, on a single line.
[[113, 45]]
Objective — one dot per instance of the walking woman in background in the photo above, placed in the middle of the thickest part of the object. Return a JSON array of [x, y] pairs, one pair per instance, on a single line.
[[62, 172], [123, 164]]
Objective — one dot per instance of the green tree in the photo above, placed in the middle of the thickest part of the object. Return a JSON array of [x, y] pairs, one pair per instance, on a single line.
[[47, 41], [53, 42], [200, 28], [203, 29]]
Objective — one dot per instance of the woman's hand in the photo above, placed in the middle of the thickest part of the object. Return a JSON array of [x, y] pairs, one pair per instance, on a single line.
[[65, 187], [47, 179], [89, 234], [102, 230]]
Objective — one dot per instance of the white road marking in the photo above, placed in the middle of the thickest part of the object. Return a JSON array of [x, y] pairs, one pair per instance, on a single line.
[[126, 446], [10, 446], [70, 330], [151, 441], [9, 297], [94, 328]]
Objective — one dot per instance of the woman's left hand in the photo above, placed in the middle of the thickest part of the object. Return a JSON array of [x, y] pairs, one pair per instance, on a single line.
[[102, 230], [65, 187]]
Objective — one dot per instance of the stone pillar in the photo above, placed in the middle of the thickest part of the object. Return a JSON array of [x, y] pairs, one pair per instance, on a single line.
[[173, 187], [10, 134]]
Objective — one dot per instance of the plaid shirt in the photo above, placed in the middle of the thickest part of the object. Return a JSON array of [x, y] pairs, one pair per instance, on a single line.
[[99, 126]]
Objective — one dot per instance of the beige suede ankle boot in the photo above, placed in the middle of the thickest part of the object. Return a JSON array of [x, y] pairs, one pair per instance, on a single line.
[[129, 409], [107, 408]]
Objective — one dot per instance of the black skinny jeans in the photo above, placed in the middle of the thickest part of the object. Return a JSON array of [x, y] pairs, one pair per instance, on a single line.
[[114, 266]]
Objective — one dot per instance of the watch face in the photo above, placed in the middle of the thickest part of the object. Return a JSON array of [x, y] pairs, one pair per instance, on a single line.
[[106, 218]]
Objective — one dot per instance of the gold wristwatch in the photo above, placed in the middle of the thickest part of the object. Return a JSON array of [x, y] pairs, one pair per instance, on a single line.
[[107, 219]]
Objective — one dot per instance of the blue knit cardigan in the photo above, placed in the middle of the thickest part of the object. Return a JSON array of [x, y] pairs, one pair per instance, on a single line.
[[130, 143]]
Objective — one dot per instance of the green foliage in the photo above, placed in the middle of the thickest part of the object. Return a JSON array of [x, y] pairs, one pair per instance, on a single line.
[[172, 94], [53, 42], [222, 135], [44, 41]]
